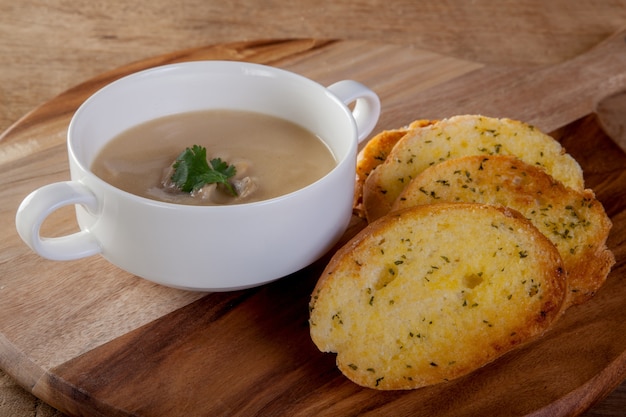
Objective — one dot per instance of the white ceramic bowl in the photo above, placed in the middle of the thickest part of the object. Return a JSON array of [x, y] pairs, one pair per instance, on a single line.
[[208, 248]]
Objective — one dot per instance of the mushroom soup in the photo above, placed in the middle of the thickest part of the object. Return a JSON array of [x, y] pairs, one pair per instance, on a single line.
[[271, 157]]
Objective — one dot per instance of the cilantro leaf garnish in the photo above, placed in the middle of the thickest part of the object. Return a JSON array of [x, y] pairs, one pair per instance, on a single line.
[[192, 171]]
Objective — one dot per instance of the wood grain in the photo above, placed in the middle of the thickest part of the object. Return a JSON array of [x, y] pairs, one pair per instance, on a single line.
[[49, 46], [94, 341]]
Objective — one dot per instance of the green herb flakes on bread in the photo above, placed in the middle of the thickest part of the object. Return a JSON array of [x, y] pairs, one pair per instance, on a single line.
[[480, 235], [573, 220], [461, 136], [429, 294]]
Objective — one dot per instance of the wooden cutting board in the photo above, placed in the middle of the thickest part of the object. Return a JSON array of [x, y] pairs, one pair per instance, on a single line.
[[93, 340]]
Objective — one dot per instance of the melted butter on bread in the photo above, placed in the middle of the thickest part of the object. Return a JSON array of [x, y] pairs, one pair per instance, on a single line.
[[573, 220], [460, 136], [433, 292]]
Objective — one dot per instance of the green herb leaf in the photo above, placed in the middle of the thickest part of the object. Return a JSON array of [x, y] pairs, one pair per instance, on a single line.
[[192, 171]]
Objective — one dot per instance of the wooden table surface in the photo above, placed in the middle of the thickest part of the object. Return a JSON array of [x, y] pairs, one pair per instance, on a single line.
[[48, 46]]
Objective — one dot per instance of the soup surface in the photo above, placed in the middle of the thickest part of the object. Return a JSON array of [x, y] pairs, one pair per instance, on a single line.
[[272, 156]]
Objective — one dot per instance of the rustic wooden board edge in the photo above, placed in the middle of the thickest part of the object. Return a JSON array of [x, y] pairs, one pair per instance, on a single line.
[[261, 51]]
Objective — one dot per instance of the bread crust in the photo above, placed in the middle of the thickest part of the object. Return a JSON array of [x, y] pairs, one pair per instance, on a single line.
[[460, 136], [573, 220], [411, 301], [374, 153]]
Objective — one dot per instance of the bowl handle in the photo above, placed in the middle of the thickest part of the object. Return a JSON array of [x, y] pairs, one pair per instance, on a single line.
[[367, 107], [39, 204]]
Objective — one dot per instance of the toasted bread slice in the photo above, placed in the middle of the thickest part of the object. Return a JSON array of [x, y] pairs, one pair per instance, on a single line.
[[410, 302], [373, 154], [573, 220], [461, 136]]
